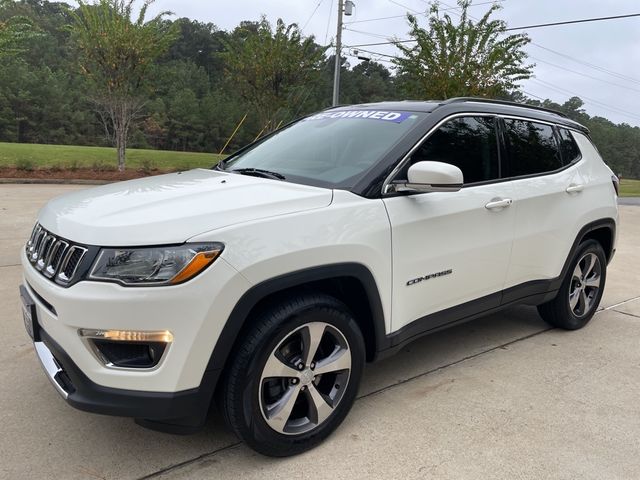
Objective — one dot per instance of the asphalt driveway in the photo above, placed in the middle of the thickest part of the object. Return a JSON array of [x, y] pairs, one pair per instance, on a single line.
[[502, 397]]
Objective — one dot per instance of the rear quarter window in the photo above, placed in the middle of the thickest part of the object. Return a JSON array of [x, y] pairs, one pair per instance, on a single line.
[[568, 147], [532, 148]]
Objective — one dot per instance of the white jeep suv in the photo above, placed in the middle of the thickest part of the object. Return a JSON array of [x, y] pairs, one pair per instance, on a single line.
[[267, 282]]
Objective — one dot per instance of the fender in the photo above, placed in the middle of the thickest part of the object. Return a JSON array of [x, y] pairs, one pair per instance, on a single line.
[[584, 231], [240, 314], [546, 289]]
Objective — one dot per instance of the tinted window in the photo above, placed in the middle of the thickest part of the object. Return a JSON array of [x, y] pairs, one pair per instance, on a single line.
[[330, 148], [532, 148], [469, 143], [568, 147]]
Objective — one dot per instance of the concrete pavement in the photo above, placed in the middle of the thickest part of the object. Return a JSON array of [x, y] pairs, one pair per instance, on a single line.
[[502, 397]]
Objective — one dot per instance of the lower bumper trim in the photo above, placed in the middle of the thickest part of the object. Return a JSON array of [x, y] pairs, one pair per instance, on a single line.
[[187, 407], [51, 367]]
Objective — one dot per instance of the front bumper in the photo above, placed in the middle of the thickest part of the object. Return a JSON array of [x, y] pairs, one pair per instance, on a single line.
[[194, 312], [179, 389], [188, 408]]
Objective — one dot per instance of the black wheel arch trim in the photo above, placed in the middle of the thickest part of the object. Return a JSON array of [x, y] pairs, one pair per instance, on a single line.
[[240, 314], [609, 223]]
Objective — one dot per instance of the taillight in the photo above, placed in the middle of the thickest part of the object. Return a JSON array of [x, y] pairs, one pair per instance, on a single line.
[[616, 184]]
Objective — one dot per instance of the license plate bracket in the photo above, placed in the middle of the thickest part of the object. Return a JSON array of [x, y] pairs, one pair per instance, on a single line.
[[29, 314]]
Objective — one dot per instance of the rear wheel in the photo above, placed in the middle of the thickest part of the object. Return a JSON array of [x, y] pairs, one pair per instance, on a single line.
[[295, 376], [581, 290]]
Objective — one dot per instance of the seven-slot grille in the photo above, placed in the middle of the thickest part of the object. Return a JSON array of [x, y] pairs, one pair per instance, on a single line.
[[54, 257]]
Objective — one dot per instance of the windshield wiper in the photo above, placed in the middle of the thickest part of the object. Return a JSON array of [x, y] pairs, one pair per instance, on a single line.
[[258, 172]]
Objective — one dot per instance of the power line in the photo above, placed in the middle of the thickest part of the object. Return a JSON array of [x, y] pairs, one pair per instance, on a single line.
[[534, 96], [582, 62], [312, 14], [408, 8], [376, 19], [594, 102], [564, 91], [373, 53], [570, 22], [373, 59], [404, 16], [326, 33], [597, 103], [587, 64], [371, 34], [525, 27], [584, 74]]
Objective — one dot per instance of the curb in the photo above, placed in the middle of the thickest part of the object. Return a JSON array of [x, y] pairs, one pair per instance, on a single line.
[[53, 181]]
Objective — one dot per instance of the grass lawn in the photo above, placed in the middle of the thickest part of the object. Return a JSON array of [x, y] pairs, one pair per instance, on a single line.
[[33, 156], [629, 188]]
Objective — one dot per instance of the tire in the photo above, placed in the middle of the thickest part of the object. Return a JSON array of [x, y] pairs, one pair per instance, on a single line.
[[274, 399], [581, 290]]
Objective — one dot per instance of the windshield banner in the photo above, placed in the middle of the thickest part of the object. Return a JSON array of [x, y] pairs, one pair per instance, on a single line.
[[384, 115]]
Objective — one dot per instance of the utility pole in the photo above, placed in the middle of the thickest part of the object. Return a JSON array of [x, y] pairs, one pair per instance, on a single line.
[[338, 61]]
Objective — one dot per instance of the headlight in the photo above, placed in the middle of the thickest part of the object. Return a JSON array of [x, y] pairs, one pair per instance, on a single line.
[[155, 265]]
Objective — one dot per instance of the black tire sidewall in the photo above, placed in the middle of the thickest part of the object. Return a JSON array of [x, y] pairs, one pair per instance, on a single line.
[[250, 424]]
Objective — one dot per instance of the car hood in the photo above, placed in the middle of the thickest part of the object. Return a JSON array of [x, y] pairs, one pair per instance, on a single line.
[[173, 208]]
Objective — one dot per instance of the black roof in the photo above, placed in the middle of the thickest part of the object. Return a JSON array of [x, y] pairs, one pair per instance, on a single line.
[[473, 104]]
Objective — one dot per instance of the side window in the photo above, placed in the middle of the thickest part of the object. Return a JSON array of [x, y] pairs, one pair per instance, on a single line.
[[469, 143], [568, 147], [532, 148]]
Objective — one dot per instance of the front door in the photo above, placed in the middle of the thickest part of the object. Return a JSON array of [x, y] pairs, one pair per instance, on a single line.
[[450, 248]]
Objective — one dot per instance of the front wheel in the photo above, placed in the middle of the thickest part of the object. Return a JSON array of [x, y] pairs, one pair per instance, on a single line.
[[295, 376], [581, 290]]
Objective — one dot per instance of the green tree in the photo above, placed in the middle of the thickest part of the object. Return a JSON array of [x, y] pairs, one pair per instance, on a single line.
[[273, 71], [15, 31], [461, 59], [117, 51]]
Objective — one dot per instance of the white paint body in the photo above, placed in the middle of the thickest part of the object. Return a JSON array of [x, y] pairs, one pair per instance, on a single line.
[[271, 228]]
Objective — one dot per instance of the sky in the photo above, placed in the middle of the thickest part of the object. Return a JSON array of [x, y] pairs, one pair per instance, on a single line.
[[570, 59]]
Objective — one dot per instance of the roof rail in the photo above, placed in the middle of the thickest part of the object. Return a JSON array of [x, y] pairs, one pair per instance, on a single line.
[[502, 102]]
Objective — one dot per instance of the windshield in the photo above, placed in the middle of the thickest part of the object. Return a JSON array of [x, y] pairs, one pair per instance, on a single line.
[[329, 148]]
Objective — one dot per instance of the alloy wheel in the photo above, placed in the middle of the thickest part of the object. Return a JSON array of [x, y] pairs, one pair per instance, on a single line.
[[585, 284], [304, 378]]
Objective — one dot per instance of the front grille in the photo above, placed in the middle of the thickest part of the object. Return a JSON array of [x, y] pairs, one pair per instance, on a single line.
[[54, 257]]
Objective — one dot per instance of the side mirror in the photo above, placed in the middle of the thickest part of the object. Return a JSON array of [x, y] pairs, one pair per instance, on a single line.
[[431, 177]]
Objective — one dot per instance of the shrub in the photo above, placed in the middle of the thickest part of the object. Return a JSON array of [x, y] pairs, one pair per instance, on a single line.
[[148, 166], [100, 166], [25, 164]]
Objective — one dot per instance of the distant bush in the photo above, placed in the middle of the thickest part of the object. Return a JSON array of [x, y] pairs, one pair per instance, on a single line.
[[101, 166], [148, 166], [25, 164]]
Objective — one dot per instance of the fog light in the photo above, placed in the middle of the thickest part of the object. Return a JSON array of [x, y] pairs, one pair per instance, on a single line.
[[128, 348], [163, 336]]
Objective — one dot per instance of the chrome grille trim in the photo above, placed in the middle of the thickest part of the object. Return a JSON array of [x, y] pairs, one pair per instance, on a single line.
[[63, 275], [44, 250], [54, 257]]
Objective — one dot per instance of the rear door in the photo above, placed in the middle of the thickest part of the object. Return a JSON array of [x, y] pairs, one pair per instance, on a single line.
[[452, 247], [542, 160]]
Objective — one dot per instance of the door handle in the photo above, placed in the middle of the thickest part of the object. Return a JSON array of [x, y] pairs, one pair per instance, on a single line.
[[497, 203], [574, 188]]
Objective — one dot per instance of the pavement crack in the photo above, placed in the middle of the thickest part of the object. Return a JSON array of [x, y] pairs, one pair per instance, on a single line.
[[10, 265], [627, 313], [456, 362], [179, 465], [611, 307]]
